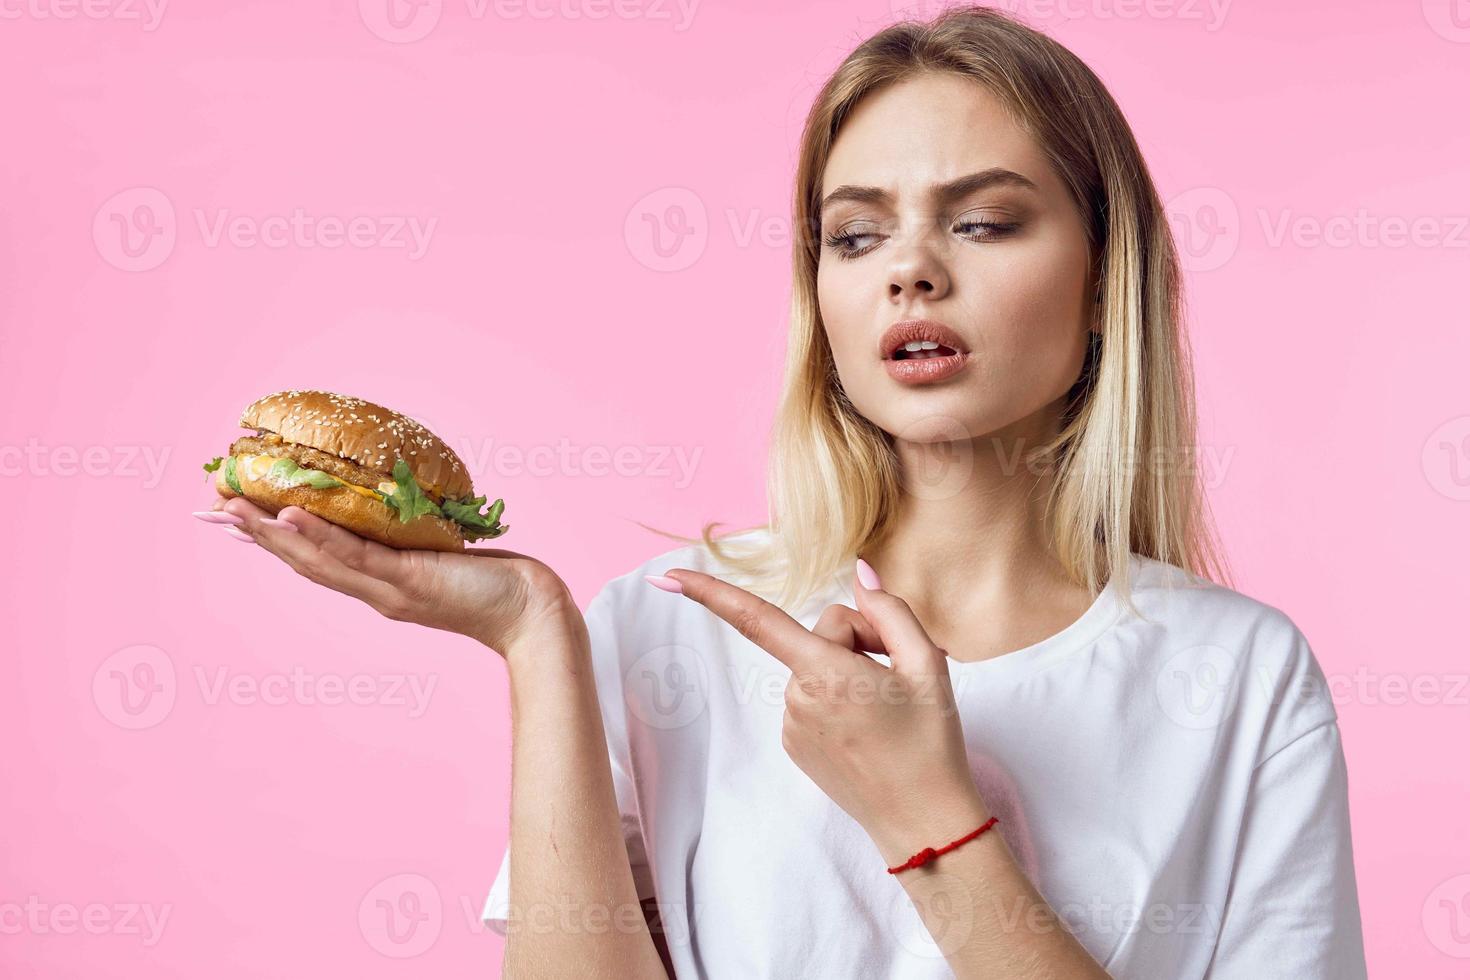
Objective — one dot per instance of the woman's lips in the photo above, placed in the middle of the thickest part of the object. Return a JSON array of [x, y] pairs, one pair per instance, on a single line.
[[926, 370]]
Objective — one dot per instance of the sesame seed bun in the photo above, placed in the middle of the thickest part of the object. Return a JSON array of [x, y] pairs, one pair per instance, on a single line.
[[357, 442], [366, 433], [346, 508]]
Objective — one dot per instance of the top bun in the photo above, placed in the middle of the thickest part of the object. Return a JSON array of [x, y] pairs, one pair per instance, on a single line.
[[370, 435]]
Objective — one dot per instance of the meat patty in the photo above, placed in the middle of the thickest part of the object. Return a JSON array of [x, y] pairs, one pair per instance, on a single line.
[[271, 444]]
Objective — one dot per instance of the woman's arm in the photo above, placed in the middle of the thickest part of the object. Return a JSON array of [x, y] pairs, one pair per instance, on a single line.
[[574, 909], [983, 913], [887, 745]]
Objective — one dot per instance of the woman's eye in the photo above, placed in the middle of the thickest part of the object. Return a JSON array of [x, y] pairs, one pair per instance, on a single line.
[[986, 229], [846, 243]]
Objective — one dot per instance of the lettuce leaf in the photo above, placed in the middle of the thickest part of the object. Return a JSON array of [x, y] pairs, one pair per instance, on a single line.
[[472, 524], [213, 464], [407, 498]]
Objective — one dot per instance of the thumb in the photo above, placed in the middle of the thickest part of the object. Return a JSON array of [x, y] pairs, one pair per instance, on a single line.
[[909, 648]]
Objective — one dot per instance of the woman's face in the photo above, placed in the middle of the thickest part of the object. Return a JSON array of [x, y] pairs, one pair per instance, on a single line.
[[1003, 265]]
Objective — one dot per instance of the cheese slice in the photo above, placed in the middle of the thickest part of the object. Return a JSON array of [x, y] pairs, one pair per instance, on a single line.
[[256, 466]]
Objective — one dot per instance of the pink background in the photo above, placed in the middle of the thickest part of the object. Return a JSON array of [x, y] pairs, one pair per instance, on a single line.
[[545, 149]]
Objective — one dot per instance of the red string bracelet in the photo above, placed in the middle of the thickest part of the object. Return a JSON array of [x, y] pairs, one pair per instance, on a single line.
[[929, 853]]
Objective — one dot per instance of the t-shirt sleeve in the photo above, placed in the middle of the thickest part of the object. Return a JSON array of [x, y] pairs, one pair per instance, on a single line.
[[1292, 906], [602, 628]]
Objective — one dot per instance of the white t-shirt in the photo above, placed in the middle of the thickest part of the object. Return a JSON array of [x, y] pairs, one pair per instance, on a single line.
[[1173, 785]]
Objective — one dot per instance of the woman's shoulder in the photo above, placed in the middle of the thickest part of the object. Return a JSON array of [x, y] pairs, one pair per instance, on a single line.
[[1164, 588], [1222, 638]]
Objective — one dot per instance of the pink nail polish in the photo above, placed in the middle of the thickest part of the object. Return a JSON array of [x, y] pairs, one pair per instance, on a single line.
[[867, 576], [278, 524], [218, 517], [239, 535], [665, 583]]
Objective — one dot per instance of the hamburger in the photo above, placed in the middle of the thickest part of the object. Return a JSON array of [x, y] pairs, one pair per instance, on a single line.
[[359, 465]]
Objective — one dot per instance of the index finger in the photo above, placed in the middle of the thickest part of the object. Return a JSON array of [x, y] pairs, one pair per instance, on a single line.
[[762, 623]]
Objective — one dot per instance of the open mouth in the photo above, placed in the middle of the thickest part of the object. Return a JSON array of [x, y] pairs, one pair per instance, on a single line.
[[920, 350]]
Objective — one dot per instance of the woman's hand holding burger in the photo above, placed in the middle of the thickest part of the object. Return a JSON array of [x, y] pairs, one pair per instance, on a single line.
[[495, 596], [366, 501]]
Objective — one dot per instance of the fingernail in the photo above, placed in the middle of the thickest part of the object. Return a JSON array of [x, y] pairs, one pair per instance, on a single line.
[[218, 517], [665, 583], [278, 523], [239, 535], [867, 576]]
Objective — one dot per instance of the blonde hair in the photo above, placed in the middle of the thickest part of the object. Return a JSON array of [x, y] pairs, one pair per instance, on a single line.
[[833, 482]]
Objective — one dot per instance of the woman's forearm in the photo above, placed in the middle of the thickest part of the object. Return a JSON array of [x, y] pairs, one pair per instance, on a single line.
[[574, 908], [986, 917]]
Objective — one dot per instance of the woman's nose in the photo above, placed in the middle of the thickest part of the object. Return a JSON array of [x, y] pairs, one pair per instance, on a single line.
[[916, 266], [912, 287], [917, 271]]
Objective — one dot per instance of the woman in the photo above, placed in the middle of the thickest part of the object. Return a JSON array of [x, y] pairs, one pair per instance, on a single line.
[[986, 397]]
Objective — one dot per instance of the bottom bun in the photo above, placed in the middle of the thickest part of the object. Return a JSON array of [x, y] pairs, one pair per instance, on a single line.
[[367, 516]]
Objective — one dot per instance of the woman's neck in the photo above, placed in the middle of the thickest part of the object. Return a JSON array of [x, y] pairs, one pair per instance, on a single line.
[[968, 550]]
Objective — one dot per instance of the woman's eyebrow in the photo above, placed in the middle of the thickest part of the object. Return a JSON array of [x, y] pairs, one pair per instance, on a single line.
[[949, 191]]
